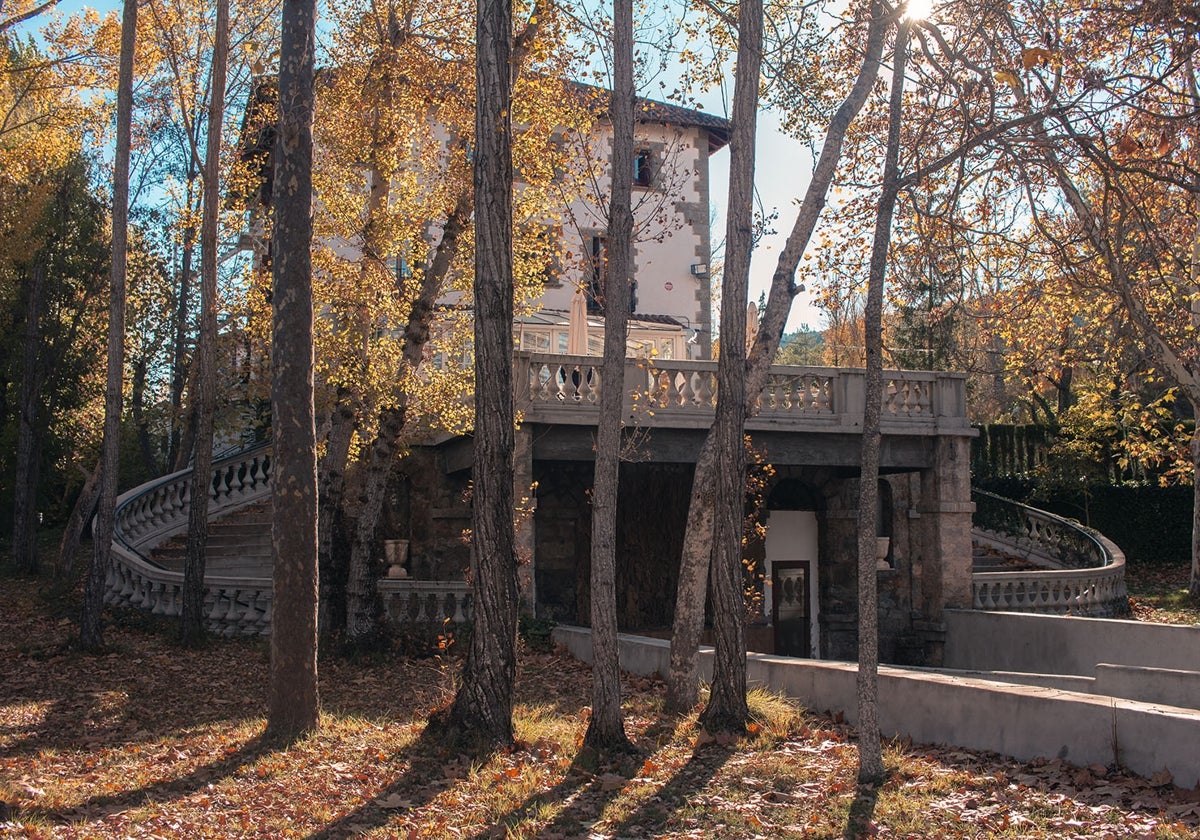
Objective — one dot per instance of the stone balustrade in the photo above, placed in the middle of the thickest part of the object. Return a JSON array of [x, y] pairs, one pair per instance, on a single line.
[[148, 515], [683, 394], [233, 606], [1095, 592], [425, 603], [1083, 573]]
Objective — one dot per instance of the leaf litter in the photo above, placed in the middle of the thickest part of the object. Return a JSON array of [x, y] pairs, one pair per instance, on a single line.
[[153, 741]]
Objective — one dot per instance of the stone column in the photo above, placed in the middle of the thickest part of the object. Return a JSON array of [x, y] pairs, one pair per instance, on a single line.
[[838, 573], [525, 498], [945, 517]]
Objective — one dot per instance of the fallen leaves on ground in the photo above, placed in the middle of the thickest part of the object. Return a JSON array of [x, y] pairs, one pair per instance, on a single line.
[[149, 740], [1158, 592]]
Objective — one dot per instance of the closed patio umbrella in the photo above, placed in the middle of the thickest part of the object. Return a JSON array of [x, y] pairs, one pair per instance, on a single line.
[[751, 325], [577, 326]]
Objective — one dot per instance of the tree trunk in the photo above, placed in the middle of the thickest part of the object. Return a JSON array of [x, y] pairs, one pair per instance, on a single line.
[[187, 440], [331, 487], [73, 532], [727, 709], [1194, 583], [90, 629], [293, 706], [483, 704], [870, 755], [204, 398], [361, 601], [606, 729], [697, 546], [177, 453], [137, 407], [24, 543]]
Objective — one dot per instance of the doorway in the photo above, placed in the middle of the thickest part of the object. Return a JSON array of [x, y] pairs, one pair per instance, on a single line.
[[791, 565]]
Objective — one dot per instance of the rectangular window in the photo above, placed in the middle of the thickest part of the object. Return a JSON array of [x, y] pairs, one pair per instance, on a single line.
[[536, 342], [643, 168], [598, 256], [598, 281]]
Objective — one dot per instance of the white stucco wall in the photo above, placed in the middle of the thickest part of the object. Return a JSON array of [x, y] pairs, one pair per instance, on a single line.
[[671, 226]]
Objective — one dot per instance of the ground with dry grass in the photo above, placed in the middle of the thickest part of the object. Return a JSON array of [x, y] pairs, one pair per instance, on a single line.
[[148, 740], [1159, 592]]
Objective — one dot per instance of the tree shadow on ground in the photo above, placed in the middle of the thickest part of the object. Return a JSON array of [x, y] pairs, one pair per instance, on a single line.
[[176, 788], [123, 697], [862, 809], [585, 793], [413, 789], [655, 810]]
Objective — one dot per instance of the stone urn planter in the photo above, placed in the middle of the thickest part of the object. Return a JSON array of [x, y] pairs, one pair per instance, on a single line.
[[882, 546], [395, 553]]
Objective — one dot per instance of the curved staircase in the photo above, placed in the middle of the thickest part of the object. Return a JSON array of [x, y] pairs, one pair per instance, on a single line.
[[1029, 560], [149, 518]]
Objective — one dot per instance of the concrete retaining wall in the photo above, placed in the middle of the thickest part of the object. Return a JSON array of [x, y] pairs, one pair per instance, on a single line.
[[1150, 685], [931, 707], [995, 641]]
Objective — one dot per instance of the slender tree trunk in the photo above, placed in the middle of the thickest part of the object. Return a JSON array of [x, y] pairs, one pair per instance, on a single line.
[[73, 532], [24, 544], [204, 398], [606, 729], [697, 546], [187, 442], [1194, 583], [361, 601], [331, 484], [293, 706], [727, 709], [483, 704], [90, 629], [137, 407], [870, 755], [177, 453]]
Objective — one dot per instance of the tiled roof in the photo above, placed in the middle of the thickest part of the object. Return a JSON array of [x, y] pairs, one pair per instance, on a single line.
[[652, 110]]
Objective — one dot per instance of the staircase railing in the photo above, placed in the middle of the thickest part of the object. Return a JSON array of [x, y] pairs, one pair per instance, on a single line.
[[1082, 573], [149, 514]]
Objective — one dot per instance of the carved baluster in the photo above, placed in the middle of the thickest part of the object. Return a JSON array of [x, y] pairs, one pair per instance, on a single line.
[[219, 609], [210, 604], [262, 469], [264, 617], [238, 475], [539, 381], [710, 388], [248, 625], [112, 584], [595, 383]]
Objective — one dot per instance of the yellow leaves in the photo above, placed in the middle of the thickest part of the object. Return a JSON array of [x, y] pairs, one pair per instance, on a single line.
[[1038, 57], [1009, 78], [1164, 145]]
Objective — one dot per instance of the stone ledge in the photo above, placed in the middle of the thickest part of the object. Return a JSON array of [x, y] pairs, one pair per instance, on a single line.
[[1022, 721]]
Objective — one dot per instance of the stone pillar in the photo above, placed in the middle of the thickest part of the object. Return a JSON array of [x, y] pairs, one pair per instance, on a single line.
[[525, 499], [838, 574], [945, 517]]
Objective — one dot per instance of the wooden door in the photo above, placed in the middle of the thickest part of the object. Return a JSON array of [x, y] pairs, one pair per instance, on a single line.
[[791, 583]]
